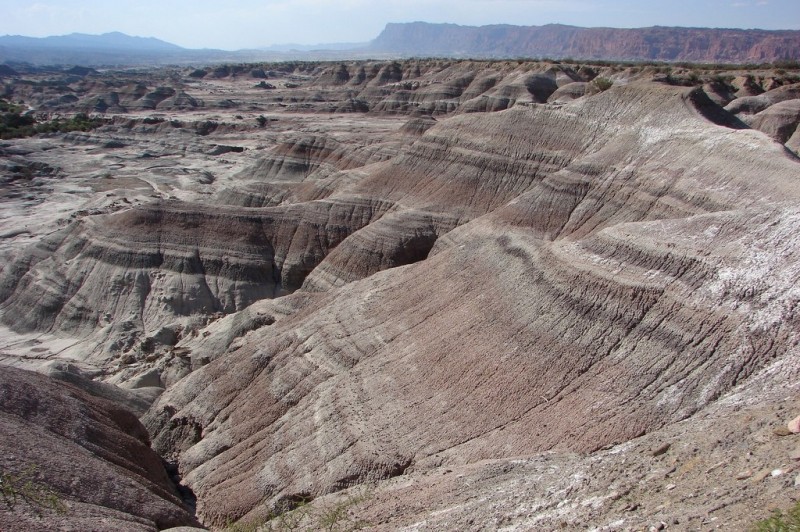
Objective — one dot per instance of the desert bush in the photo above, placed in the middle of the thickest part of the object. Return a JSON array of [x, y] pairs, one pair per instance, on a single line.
[[787, 64], [603, 83], [14, 123], [22, 488], [781, 522], [723, 79], [302, 515]]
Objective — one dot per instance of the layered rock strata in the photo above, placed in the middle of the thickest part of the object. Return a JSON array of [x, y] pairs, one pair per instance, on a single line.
[[634, 276]]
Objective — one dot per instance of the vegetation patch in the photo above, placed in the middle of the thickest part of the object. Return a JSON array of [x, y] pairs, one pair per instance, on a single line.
[[24, 489], [780, 521], [330, 517], [16, 123], [603, 83]]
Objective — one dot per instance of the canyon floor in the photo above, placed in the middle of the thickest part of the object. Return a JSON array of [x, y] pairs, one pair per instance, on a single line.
[[417, 295]]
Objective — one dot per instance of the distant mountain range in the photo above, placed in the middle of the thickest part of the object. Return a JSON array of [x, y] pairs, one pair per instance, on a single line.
[[88, 50], [119, 49], [114, 41], [422, 39]]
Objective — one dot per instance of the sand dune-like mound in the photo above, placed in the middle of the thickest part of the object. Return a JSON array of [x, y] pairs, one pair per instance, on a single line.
[[779, 121], [756, 104]]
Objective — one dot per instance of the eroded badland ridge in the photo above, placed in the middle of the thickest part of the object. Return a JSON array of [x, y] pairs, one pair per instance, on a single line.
[[442, 295]]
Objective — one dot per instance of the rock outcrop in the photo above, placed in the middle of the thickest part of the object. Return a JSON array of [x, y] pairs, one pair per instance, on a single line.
[[779, 121], [775, 112]]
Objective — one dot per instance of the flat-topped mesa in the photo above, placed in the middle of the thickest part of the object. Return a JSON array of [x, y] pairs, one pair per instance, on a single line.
[[706, 45]]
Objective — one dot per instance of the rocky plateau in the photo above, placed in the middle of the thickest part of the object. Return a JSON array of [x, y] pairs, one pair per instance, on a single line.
[[402, 295], [657, 43]]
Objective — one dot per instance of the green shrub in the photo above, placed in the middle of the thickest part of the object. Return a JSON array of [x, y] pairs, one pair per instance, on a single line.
[[603, 83], [22, 488], [787, 64], [781, 522], [302, 515], [14, 124]]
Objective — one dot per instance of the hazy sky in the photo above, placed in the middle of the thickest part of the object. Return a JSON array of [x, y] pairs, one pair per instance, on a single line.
[[235, 24]]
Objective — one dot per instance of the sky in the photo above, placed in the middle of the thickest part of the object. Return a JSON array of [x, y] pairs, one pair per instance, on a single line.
[[238, 24]]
